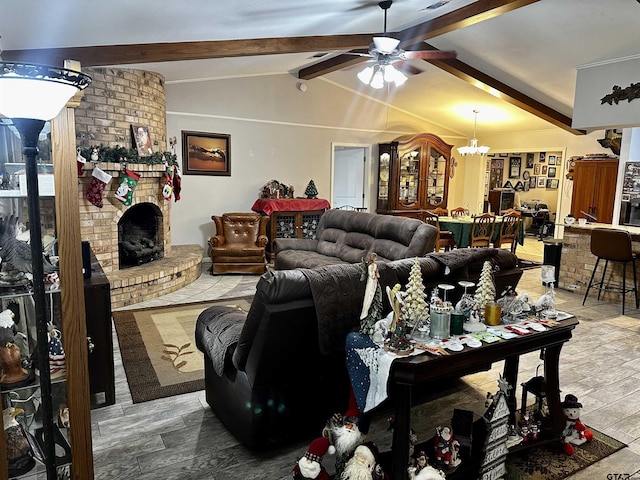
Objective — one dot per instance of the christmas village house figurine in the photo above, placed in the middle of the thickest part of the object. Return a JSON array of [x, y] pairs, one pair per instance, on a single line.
[[496, 419]]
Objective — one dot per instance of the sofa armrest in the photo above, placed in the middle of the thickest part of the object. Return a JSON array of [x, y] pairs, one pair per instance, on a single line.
[[306, 244]]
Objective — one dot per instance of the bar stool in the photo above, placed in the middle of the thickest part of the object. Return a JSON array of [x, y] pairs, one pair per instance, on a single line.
[[612, 245]]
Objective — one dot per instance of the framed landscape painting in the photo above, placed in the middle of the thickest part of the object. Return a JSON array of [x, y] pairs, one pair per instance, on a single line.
[[206, 153]]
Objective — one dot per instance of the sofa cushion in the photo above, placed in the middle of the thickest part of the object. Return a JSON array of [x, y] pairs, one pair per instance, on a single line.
[[349, 237], [273, 287]]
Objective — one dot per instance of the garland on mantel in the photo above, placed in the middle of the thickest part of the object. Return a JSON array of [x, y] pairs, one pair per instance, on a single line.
[[120, 154]]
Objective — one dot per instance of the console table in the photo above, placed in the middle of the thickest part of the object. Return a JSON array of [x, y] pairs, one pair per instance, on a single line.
[[409, 372], [291, 217]]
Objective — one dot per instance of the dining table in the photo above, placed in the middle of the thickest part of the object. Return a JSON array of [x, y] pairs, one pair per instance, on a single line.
[[460, 227]]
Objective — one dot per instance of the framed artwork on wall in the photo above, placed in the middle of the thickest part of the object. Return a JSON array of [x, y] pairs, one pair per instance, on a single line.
[[142, 140], [536, 169], [533, 181], [543, 156], [206, 153], [529, 160], [552, 160], [542, 182], [552, 183], [544, 169], [551, 172], [514, 167]]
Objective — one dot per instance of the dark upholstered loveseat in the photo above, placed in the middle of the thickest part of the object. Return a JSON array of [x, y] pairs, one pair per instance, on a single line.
[[347, 237], [279, 371]]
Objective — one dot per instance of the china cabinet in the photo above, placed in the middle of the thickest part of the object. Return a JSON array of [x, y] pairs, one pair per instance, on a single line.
[[413, 175], [37, 401]]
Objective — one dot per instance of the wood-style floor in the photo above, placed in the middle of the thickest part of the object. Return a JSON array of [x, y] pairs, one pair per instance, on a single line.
[[179, 438]]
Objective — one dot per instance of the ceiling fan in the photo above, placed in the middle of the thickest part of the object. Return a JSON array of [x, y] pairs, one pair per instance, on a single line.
[[389, 59]]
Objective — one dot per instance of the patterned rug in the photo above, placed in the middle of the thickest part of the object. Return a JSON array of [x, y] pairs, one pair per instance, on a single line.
[[553, 464], [158, 348]]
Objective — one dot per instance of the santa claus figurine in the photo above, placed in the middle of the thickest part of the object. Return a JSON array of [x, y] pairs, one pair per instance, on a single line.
[[574, 433], [362, 466], [446, 448], [343, 433], [310, 465]]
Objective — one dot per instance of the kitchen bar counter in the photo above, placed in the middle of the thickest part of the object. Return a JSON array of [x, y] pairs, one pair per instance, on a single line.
[[576, 264]]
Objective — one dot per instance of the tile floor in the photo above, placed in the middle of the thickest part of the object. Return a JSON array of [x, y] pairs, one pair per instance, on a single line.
[[180, 438]]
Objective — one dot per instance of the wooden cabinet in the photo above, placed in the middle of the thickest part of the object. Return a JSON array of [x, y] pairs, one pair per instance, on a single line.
[[45, 396], [413, 175], [301, 224], [594, 188], [97, 304]]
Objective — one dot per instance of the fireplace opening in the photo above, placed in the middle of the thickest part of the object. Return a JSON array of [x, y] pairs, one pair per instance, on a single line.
[[139, 232]]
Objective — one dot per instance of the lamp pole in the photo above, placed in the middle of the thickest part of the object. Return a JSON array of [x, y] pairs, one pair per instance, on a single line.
[[29, 130]]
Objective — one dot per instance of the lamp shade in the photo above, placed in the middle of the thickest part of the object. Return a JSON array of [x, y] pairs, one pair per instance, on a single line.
[[37, 91]]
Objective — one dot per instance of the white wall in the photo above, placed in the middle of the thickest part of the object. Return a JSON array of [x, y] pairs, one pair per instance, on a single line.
[[277, 132]]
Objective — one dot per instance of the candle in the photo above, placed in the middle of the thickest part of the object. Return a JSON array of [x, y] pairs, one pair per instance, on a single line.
[[492, 313]]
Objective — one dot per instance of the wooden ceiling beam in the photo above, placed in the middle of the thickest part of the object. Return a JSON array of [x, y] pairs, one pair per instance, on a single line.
[[104, 55], [504, 92], [475, 12]]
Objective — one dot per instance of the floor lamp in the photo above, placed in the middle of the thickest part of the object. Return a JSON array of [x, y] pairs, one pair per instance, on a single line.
[[30, 95]]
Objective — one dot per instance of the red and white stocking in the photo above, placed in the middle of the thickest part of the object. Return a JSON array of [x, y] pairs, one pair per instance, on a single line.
[[99, 180]]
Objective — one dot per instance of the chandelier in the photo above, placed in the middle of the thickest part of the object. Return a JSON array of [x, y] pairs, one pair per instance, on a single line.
[[473, 148]]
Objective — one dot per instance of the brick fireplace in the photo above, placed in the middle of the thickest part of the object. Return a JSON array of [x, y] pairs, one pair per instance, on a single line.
[[179, 266], [116, 100]]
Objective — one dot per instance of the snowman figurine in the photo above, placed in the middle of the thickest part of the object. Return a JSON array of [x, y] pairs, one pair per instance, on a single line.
[[574, 433]]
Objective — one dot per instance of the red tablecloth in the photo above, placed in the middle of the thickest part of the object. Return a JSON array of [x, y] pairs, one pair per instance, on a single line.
[[269, 205]]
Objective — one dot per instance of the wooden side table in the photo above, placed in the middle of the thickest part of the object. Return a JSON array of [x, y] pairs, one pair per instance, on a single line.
[[291, 218]]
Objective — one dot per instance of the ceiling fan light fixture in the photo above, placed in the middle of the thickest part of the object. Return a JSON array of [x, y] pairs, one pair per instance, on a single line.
[[377, 81], [366, 75], [386, 45], [473, 148], [392, 74]]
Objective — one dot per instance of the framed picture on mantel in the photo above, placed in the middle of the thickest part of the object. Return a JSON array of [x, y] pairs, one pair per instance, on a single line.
[[206, 153]]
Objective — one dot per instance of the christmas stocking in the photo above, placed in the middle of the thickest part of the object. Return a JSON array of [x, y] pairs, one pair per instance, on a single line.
[[128, 183], [167, 190], [177, 183], [99, 180], [80, 161]]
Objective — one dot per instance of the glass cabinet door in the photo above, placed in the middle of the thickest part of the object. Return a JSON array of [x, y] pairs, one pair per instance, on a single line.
[[385, 153], [33, 398], [436, 177], [409, 177]]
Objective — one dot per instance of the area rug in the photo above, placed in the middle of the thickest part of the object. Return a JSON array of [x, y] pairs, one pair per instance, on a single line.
[[550, 463], [158, 348]]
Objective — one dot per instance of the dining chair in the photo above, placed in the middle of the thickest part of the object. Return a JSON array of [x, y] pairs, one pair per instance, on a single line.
[[511, 211], [482, 230], [444, 239], [441, 212], [459, 212], [508, 231]]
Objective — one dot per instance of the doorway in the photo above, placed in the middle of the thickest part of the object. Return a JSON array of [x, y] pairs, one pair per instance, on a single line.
[[349, 175]]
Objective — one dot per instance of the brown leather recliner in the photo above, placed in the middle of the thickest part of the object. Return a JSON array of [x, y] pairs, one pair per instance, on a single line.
[[239, 243]]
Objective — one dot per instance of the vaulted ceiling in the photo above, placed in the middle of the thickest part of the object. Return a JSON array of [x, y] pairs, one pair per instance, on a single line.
[[516, 59]]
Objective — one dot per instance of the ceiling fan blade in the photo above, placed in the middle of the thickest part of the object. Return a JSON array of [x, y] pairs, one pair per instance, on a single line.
[[407, 68], [429, 55]]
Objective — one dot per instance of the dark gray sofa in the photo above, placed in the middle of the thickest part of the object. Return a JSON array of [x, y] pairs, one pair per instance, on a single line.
[[347, 237], [278, 373]]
